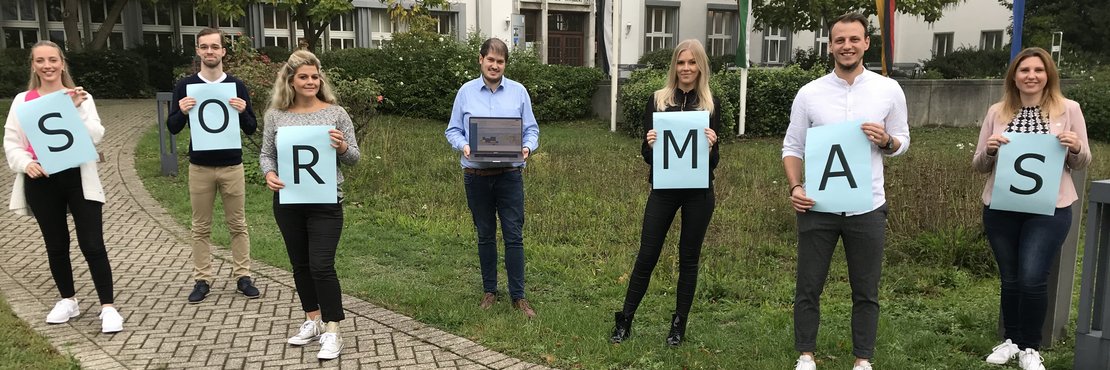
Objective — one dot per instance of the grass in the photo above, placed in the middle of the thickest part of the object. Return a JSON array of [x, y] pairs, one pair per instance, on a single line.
[[409, 245], [20, 346]]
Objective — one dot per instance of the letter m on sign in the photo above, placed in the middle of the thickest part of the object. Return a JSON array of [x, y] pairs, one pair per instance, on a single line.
[[688, 143]]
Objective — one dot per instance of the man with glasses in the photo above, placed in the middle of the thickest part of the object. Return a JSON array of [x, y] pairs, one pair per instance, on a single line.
[[216, 171]]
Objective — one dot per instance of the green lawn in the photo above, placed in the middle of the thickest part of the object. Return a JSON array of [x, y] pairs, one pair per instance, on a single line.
[[409, 246], [21, 347]]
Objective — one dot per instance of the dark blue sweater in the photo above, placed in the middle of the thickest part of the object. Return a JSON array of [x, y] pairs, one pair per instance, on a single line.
[[178, 120]]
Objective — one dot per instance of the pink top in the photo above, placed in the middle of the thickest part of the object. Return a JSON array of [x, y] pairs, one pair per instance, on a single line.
[[32, 95], [1070, 120]]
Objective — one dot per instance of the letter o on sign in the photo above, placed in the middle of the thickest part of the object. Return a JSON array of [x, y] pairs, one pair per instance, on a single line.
[[223, 107]]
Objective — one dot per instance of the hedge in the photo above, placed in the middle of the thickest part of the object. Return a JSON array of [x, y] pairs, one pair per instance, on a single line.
[[1093, 95]]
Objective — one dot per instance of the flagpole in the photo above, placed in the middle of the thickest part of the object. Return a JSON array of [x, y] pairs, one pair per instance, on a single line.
[[741, 121], [614, 65], [1019, 24]]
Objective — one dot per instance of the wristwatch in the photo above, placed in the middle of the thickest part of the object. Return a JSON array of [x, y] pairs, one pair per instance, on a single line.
[[889, 143]]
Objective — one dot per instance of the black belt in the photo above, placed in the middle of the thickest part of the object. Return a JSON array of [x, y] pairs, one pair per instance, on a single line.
[[490, 171]]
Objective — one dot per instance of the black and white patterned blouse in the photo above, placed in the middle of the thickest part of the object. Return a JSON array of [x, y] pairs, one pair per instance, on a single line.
[[1029, 120]]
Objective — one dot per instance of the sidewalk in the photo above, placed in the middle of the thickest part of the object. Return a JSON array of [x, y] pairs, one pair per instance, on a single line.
[[152, 268]]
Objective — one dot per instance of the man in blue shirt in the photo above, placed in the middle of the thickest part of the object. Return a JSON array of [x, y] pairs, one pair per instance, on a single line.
[[495, 189]]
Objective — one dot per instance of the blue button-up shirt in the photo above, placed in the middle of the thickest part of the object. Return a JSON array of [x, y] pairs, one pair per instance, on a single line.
[[475, 99]]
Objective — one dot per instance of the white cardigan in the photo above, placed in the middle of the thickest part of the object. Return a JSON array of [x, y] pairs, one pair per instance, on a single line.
[[15, 148]]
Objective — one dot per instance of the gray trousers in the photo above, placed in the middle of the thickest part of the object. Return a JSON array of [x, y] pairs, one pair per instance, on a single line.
[[863, 237]]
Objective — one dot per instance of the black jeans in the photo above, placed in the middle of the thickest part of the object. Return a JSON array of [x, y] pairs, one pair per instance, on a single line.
[[489, 198], [1025, 245], [49, 199], [662, 206], [864, 236], [311, 233]]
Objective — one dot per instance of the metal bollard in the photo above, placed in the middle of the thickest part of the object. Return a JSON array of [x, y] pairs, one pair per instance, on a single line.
[[1092, 332], [167, 145]]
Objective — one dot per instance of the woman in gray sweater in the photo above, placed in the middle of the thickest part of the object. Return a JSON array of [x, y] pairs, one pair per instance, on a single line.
[[302, 96]]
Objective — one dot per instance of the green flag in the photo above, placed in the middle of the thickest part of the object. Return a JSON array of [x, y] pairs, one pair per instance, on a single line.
[[743, 9]]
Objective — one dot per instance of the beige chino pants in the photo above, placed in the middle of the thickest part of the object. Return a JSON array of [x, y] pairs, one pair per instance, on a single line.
[[204, 183]]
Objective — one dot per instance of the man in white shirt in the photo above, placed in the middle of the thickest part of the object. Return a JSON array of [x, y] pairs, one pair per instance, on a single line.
[[849, 93]]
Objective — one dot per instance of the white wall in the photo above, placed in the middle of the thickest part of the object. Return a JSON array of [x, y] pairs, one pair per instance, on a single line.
[[914, 37]]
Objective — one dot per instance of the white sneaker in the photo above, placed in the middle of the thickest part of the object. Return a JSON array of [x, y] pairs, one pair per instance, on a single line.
[[64, 310], [310, 329], [110, 320], [1003, 353], [330, 346], [805, 362], [1029, 359], [865, 365]]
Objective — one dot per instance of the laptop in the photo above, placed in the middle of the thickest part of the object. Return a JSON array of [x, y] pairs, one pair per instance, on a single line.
[[496, 139]]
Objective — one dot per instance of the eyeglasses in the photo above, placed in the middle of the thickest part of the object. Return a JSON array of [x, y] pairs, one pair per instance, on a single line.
[[214, 47]]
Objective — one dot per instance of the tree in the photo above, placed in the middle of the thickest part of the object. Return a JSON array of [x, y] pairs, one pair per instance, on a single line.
[[1075, 18], [811, 14], [418, 15], [313, 16]]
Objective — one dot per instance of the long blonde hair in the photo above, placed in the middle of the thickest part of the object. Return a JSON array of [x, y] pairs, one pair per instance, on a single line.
[[35, 82], [283, 93], [1052, 99], [665, 97]]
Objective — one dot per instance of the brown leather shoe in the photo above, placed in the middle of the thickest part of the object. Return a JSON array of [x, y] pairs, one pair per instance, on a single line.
[[523, 306], [487, 301]]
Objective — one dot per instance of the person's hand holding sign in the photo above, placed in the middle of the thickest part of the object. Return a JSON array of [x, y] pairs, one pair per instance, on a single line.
[[34, 170], [239, 104], [78, 94], [996, 141], [1070, 140], [337, 141], [877, 135], [711, 136], [651, 136], [186, 104], [799, 200], [273, 182]]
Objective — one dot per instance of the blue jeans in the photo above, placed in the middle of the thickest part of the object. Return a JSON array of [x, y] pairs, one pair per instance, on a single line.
[[1025, 246], [490, 197]]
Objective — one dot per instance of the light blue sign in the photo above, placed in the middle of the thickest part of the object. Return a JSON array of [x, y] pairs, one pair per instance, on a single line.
[[306, 164], [680, 155], [213, 123], [1027, 174], [838, 168], [56, 133]]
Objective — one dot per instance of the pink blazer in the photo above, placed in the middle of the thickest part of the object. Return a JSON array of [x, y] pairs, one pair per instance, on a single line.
[[1071, 120]]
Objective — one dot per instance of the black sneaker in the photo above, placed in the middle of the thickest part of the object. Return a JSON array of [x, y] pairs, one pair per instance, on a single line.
[[200, 291], [247, 287]]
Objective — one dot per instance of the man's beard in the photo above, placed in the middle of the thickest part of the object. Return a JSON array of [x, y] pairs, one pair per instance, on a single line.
[[212, 64], [848, 67]]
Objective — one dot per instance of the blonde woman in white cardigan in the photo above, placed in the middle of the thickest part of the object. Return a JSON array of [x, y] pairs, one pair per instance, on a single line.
[[49, 197]]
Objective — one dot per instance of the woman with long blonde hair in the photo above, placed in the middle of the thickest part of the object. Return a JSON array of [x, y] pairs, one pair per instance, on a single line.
[[1025, 244], [75, 190], [302, 96], [686, 89]]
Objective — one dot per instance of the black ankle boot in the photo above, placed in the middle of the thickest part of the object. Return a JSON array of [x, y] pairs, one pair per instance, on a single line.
[[623, 328], [678, 330]]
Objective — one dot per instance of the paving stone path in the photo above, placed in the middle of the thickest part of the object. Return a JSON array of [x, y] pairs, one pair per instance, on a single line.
[[151, 265]]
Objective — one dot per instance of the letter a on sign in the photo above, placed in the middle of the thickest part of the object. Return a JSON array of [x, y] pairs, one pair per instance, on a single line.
[[1027, 174], [838, 168], [680, 155], [213, 123], [55, 130], [306, 164]]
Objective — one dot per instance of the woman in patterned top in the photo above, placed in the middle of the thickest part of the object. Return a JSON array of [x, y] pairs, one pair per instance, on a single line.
[[302, 96], [1025, 244]]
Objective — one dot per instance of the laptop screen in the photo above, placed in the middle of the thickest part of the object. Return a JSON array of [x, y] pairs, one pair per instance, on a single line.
[[494, 135]]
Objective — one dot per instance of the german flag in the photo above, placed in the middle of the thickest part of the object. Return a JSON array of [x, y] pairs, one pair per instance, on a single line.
[[885, 10]]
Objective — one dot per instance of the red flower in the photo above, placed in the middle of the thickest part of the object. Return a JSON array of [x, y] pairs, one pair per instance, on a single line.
[[380, 98]]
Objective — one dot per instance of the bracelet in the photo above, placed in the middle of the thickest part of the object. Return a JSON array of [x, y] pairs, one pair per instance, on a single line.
[[792, 189]]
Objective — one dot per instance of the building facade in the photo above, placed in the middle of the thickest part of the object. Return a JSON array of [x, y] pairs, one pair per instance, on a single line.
[[567, 32]]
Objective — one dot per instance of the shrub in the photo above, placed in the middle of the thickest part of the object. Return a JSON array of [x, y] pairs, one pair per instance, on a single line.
[[558, 92], [970, 63], [359, 96], [421, 72], [721, 62], [354, 62], [659, 59], [770, 94], [808, 59], [275, 54], [161, 62], [14, 71], [110, 73], [256, 71], [1093, 94]]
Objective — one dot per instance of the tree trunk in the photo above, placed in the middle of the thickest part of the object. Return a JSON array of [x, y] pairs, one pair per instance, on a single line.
[[69, 22], [106, 27]]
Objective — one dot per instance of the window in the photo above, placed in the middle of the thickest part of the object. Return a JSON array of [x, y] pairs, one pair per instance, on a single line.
[[722, 28], [382, 27], [54, 10], [776, 45], [20, 38], [275, 27], [98, 11], [18, 10], [990, 40], [660, 28], [156, 13], [942, 43], [162, 39], [446, 23], [342, 32], [821, 41]]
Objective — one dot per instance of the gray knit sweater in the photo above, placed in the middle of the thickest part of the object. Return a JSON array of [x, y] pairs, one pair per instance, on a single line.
[[331, 116]]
